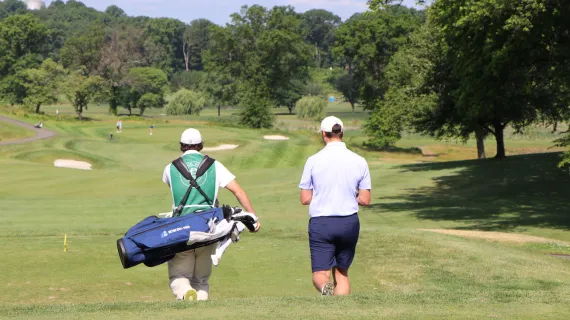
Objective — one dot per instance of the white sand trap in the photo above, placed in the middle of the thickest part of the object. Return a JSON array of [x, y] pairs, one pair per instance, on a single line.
[[222, 147], [81, 165], [275, 138], [497, 236]]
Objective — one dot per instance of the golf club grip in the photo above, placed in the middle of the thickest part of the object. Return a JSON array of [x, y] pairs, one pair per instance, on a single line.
[[249, 226]]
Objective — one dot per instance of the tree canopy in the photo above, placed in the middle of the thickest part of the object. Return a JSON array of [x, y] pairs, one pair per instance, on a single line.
[[455, 69]]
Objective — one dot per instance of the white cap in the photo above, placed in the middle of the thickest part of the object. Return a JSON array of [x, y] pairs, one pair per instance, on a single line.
[[191, 136], [329, 122]]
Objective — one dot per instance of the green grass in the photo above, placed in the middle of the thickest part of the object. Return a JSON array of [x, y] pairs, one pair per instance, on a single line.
[[9, 132], [399, 272]]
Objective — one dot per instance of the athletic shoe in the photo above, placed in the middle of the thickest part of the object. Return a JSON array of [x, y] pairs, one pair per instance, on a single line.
[[191, 295], [328, 289]]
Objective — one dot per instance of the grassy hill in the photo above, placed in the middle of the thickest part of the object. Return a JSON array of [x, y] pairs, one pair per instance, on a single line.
[[401, 271]]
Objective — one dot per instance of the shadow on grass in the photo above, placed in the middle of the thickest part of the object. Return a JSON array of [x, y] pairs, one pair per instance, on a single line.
[[369, 147], [285, 114], [492, 195]]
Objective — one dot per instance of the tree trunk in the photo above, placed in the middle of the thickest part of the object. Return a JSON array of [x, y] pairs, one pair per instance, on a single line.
[[352, 105], [186, 52], [219, 111], [113, 104], [38, 108], [80, 112], [480, 134], [290, 109], [130, 111], [500, 137]]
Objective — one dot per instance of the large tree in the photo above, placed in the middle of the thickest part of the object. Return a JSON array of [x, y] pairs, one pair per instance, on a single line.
[[147, 88], [477, 67], [164, 44], [84, 49], [366, 42], [509, 61], [115, 11], [22, 46], [122, 50], [346, 85], [9, 7], [81, 89], [319, 27], [196, 39], [42, 85], [263, 52]]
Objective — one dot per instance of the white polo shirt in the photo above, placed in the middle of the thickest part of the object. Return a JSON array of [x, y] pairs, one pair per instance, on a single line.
[[335, 174], [223, 175]]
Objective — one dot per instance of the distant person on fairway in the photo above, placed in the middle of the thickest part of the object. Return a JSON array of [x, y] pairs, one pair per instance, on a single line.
[[335, 181], [189, 271]]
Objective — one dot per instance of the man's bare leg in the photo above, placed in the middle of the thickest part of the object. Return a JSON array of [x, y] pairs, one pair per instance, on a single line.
[[342, 284], [334, 276], [320, 278]]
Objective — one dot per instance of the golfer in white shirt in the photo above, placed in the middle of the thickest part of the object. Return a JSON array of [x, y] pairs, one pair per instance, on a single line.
[[335, 182]]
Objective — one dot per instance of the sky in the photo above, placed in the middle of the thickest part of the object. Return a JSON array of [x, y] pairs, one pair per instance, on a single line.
[[218, 11]]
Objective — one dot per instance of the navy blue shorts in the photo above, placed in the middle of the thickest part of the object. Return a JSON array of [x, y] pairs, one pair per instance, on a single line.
[[332, 241]]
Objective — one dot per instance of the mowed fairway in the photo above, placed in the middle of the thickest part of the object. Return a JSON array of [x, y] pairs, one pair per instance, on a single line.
[[400, 272]]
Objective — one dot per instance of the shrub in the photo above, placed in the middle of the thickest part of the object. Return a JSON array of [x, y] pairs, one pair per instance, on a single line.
[[185, 102], [311, 108], [256, 113]]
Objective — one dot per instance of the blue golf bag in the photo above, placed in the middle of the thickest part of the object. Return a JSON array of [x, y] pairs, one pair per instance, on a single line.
[[154, 240]]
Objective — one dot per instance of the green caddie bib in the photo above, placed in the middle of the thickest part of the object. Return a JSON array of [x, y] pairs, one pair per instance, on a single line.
[[179, 185]]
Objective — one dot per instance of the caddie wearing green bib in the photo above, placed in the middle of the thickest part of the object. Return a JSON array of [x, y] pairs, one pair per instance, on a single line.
[[190, 271]]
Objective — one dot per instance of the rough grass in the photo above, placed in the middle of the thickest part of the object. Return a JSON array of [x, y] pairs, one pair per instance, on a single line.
[[399, 272], [9, 132]]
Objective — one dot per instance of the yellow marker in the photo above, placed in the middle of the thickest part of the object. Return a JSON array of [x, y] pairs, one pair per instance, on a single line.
[[65, 243]]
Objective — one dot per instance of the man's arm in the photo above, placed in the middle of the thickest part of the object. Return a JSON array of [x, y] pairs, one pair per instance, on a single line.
[[306, 197], [240, 195], [243, 199], [363, 197], [166, 175], [364, 187], [306, 184]]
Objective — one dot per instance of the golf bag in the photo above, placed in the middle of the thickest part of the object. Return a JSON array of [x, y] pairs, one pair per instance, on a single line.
[[154, 240]]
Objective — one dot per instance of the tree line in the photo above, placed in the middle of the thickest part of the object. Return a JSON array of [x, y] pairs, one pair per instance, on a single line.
[[456, 69], [130, 62]]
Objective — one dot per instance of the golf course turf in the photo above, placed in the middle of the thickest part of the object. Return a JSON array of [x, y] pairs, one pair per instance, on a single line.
[[400, 271]]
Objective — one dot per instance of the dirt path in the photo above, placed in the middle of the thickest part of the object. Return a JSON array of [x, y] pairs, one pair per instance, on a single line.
[[497, 236], [40, 133], [427, 152]]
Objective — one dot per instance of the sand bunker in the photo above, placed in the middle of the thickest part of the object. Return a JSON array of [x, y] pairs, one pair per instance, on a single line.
[[275, 138], [222, 147], [81, 165], [497, 236]]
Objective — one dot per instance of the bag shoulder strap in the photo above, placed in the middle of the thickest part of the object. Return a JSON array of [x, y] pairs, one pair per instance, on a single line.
[[206, 163]]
